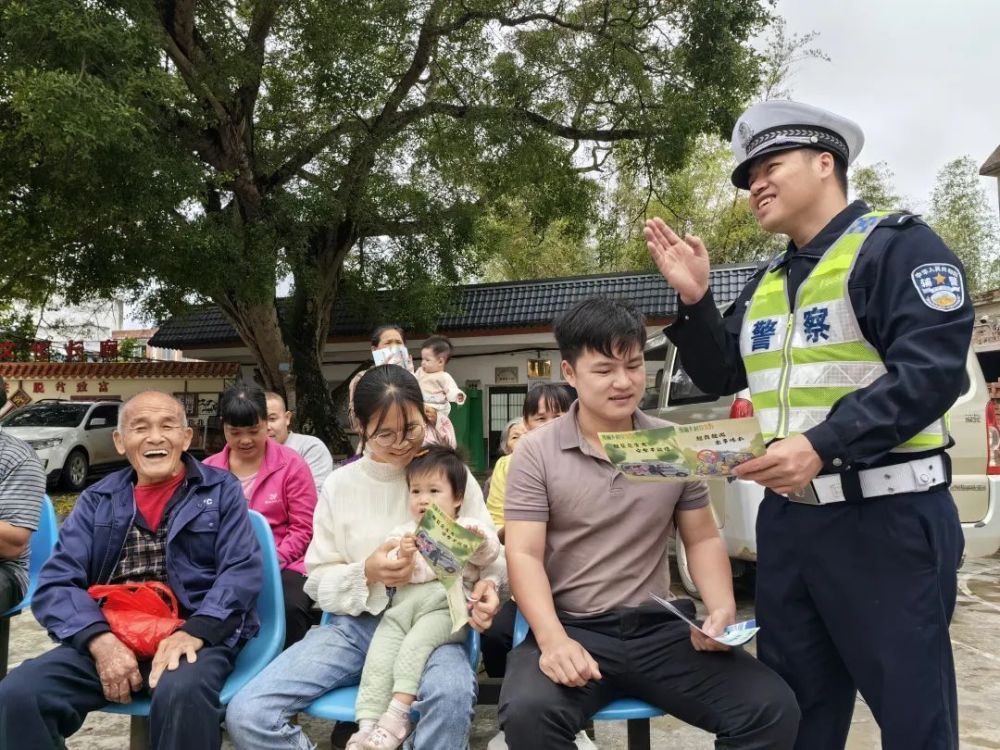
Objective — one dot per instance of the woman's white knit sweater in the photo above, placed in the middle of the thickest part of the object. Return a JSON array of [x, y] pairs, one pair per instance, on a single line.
[[359, 506]]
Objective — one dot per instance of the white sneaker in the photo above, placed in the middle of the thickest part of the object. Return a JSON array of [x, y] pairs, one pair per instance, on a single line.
[[583, 742]]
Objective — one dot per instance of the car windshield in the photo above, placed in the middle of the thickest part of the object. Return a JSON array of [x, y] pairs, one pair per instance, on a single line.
[[46, 415]]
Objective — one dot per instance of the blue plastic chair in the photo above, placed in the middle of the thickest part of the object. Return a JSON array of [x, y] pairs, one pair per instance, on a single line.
[[43, 541], [338, 704], [635, 712], [255, 655]]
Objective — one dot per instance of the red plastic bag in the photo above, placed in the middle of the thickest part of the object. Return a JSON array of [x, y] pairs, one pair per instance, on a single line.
[[140, 614]]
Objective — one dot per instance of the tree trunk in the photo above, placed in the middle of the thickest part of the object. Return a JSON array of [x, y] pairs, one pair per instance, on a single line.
[[314, 404], [306, 327], [257, 325]]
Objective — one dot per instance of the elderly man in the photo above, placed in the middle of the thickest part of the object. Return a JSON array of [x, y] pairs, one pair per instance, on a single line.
[[312, 449], [167, 518], [22, 485]]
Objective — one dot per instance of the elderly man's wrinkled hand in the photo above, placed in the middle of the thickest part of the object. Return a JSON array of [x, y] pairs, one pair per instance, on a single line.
[[117, 667], [169, 653]]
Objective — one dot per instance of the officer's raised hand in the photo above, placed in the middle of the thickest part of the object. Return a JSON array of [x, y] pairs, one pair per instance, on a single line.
[[682, 261], [788, 466]]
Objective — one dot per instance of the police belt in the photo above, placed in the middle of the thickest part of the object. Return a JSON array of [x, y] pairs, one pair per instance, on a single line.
[[918, 475]]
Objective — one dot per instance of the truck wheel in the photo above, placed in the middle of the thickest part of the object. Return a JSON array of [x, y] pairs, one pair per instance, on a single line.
[[75, 470], [682, 568]]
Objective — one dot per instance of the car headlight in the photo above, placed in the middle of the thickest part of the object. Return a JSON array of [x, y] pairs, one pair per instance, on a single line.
[[40, 445]]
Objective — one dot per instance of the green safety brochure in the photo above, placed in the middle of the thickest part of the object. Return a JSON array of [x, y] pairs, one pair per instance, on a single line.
[[446, 545], [691, 451]]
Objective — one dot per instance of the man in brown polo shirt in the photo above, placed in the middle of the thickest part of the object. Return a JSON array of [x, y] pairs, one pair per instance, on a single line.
[[586, 546]]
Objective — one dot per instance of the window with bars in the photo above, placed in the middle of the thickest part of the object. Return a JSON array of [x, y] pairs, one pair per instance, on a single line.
[[506, 403]]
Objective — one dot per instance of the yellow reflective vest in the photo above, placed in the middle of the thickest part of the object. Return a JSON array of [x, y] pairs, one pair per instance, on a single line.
[[800, 362]]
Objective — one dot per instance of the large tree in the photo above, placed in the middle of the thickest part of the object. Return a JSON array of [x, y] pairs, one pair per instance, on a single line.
[[196, 150]]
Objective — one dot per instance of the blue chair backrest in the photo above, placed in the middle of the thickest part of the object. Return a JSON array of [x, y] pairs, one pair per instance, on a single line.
[[520, 628], [43, 541], [270, 605]]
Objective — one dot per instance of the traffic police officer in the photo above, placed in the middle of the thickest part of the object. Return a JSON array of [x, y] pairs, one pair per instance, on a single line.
[[853, 344]]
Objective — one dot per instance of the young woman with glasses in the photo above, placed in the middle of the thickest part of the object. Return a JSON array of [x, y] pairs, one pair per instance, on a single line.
[[349, 574]]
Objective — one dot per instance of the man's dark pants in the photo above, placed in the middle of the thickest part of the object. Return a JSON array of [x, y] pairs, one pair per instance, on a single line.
[[498, 640], [646, 653], [47, 698], [858, 596]]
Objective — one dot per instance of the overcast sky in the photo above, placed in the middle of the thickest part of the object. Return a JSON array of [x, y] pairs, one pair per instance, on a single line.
[[922, 78]]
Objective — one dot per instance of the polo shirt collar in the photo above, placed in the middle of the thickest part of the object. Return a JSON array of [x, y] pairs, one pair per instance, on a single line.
[[570, 436]]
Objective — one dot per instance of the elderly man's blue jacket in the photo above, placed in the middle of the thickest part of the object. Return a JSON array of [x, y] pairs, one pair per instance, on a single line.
[[214, 564]]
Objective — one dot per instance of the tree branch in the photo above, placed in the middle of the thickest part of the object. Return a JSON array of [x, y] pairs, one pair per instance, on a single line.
[[421, 57], [391, 227], [311, 150], [187, 70], [359, 164], [261, 21], [484, 112]]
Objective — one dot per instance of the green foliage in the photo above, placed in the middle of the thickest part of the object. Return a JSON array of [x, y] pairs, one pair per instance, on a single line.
[[514, 249], [18, 327], [697, 198], [190, 152], [784, 54], [874, 185], [120, 121], [128, 349], [962, 214]]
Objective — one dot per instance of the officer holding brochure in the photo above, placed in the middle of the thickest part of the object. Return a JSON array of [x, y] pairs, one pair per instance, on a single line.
[[853, 345]]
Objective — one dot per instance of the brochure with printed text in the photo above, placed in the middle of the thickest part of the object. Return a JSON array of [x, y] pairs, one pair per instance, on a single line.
[[447, 546], [393, 355], [689, 451]]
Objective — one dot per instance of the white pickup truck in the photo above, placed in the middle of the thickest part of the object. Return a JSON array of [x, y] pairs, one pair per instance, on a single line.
[[975, 457]]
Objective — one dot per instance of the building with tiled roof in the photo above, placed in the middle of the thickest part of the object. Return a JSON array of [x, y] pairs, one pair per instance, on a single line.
[[479, 308]]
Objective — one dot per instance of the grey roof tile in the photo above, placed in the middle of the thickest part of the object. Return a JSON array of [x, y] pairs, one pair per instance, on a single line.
[[514, 304]]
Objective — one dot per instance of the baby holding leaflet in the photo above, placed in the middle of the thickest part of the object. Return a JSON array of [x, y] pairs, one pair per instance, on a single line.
[[418, 619]]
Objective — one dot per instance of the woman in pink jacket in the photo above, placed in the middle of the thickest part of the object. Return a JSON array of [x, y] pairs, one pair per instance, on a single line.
[[277, 484]]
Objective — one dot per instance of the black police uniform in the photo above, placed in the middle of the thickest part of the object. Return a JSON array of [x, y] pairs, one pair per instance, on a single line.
[[858, 595]]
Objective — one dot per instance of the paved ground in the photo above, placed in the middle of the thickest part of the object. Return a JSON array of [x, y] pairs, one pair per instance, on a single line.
[[974, 635]]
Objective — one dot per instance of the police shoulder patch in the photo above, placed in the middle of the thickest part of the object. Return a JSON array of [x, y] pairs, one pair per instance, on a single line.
[[940, 286]]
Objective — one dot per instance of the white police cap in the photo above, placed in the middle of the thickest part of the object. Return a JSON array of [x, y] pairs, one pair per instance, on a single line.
[[779, 125]]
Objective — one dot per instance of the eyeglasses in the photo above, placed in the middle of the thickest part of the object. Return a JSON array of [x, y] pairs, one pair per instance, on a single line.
[[389, 438]]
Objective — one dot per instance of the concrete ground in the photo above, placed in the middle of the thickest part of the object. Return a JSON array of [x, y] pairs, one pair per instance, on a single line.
[[974, 636]]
